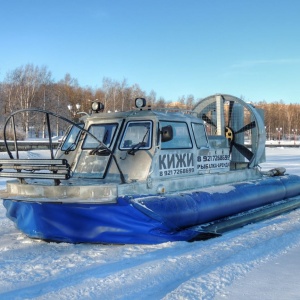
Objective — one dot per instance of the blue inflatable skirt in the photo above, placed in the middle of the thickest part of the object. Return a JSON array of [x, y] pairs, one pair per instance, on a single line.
[[145, 219]]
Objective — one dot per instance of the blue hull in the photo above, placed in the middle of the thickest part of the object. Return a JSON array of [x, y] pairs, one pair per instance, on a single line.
[[145, 219]]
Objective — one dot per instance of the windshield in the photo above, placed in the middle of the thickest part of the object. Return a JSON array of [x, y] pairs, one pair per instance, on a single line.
[[137, 132], [103, 132], [72, 138]]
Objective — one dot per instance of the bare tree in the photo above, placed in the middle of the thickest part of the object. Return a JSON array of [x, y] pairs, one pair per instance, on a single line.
[[160, 103], [152, 98], [190, 102], [31, 86], [22, 85]]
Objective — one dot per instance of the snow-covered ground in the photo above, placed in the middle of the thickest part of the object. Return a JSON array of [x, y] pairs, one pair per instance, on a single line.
[[259, 261]]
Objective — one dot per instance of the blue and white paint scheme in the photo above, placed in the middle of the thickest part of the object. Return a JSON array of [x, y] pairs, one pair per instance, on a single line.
[[145, 176]]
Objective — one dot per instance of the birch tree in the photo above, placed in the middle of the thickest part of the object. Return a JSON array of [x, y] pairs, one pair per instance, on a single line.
[[22, 85]]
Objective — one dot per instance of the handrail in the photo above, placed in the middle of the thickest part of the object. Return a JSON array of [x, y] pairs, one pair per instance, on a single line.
[[49, 132]]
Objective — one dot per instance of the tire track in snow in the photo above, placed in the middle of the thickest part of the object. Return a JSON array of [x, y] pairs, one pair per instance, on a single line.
[[172, 270], [219, 276]]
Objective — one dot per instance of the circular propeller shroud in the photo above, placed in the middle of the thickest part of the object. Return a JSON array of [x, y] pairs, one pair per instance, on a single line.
[[240, 122]]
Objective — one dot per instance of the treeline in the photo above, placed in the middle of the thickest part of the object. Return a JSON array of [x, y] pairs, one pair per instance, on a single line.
[[31, 86], [282, 121]]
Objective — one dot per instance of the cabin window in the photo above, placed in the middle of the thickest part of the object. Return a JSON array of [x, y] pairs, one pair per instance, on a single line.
[[199, 135], [103, 132], [72, 138], [137, 133], [181, 136]]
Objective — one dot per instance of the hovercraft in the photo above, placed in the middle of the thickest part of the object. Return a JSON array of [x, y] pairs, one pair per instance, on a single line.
[[147, 176]]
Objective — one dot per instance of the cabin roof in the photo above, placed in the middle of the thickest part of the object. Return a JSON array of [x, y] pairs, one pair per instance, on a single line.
[[161, 114]]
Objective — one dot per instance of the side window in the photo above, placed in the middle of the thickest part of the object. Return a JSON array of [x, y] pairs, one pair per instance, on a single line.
[[199, 135], [137, 133], [103, 132], [72, 138], [181, 136]]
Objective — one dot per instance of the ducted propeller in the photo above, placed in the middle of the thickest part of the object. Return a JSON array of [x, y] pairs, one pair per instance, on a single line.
[[241, 124], [231, 134]]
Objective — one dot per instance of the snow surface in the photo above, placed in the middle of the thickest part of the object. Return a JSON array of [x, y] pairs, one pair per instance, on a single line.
[[259, 261]]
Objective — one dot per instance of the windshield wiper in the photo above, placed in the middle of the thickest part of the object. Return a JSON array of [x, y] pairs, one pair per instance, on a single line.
[[135, 148], [102, 148], [67, 151]]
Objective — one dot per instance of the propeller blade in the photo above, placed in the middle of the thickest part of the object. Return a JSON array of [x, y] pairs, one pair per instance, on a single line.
[[247, 127], [231, 103], [231, 146], [244, 151], [208, 120]]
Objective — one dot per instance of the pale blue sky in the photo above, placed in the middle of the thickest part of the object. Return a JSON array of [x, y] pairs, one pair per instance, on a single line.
[[248, 48]]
